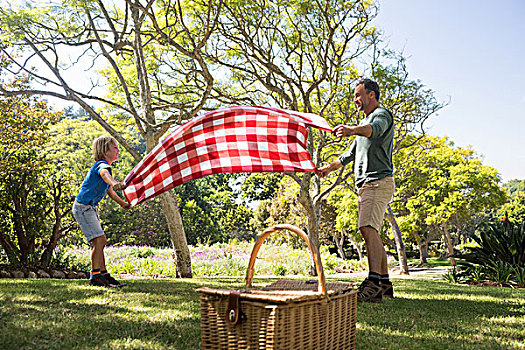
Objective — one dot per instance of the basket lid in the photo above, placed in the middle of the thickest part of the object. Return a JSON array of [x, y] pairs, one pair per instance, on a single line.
[[286, 291]]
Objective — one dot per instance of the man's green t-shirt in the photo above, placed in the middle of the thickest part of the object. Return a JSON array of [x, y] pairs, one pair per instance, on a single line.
[[372, 155]]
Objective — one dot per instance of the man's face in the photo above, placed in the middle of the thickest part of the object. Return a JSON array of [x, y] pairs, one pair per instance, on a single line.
[[362, 98]]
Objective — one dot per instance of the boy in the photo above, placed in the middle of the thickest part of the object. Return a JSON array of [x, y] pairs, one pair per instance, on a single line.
[[97, 183]]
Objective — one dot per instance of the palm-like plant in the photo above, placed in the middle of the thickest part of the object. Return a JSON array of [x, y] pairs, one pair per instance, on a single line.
[[502, 241]]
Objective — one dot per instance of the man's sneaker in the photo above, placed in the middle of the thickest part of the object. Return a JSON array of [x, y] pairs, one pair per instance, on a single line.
[[112, 281], [99, 281], [369, 292], [387, 290]]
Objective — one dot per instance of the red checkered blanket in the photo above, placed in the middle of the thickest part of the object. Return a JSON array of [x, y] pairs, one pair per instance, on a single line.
[[240, 139]]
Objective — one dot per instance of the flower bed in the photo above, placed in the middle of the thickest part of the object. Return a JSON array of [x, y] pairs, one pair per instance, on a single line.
[[221, 259]]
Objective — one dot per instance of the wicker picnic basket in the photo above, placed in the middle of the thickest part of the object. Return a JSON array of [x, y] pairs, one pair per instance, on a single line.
[[297, 315]]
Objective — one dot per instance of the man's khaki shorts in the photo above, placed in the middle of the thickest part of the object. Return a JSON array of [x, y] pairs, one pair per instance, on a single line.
[[373, 198]]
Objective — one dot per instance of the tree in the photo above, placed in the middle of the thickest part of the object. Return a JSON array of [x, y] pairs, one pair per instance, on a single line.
[[345, 204], [23, 126], [272, 58], [514, 208], [308, 65], [515, 185], [441, 188], [155, 70], [35, 197]]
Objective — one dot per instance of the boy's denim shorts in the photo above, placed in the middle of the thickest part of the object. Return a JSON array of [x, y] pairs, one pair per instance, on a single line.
[[87, 218]]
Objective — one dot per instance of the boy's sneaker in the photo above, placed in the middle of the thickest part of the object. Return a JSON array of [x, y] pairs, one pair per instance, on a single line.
[[112, 281], [99, 281], [369, 292], [387, 290]]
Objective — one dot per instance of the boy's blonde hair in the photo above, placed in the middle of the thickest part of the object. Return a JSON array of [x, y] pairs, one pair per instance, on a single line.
[[101, 145]]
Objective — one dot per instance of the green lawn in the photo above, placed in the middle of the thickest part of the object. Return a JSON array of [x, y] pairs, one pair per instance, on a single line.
[[164, 314]]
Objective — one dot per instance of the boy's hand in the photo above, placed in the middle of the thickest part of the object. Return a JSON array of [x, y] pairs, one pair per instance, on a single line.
[[119, 186]]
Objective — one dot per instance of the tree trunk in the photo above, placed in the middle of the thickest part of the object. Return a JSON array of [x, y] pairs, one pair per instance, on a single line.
[[45, 258], [171, 211], [450, 246], [10, 250], [178, 237], [400, 246], [339, 242], [313, 235], [423, 251], [357, 247], [313, 214]]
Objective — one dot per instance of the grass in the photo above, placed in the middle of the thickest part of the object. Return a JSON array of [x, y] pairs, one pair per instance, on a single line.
[[164, 314]]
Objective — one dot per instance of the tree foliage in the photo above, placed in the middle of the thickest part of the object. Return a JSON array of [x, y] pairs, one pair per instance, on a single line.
[[440, 186], [35, 196]]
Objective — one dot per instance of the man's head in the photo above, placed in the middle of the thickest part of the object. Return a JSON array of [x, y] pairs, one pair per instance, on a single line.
[[366, 95]]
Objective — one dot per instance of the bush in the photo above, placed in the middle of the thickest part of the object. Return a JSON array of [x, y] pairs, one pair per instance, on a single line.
[[498, 255], [498, 242]]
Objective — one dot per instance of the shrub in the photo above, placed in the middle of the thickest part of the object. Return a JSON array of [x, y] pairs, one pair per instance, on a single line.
[[454, 275], [501, 272], [279, 270], [498, 242], [227, 259], [519, 272], [498, 255]]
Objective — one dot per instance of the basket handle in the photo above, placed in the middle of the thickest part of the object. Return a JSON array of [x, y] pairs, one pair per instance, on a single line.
[[300, 233]]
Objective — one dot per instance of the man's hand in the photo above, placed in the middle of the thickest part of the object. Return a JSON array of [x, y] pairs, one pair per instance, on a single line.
[[343, 131], [322, 172], [119, 186]]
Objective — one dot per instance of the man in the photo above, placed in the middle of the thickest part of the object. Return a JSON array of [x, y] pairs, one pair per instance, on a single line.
[[371, 152]]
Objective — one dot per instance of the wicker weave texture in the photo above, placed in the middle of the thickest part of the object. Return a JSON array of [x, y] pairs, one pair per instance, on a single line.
[[322, 320], [306, 325]]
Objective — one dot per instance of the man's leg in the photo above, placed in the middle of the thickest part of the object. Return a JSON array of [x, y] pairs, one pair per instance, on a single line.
[[375, 250], [373, 199]]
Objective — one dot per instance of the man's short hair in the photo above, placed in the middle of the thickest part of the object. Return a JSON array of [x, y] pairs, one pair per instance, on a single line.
[[370, 85]]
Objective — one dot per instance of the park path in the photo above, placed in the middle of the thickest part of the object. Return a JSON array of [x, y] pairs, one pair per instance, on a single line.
[[414, 272]]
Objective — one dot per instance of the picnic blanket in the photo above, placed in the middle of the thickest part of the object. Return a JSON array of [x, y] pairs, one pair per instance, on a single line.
[[241, 139]]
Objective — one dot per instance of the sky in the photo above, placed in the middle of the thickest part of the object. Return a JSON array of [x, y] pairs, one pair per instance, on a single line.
[[472, 54]]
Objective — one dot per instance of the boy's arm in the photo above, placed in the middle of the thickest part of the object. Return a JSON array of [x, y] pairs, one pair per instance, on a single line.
[[106, 176], [117, 199]]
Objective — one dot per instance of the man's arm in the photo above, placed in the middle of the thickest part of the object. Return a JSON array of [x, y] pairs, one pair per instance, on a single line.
[[346, 131]]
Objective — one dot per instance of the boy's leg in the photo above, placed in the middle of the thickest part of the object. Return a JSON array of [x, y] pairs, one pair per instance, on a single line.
[[96, 277], [97, 253]]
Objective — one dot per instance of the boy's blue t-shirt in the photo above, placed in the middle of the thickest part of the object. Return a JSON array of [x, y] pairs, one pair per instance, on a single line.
[[94, 188]]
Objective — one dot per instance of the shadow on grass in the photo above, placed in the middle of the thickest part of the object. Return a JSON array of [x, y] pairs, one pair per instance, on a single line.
[[437, 315], [165, 314]]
